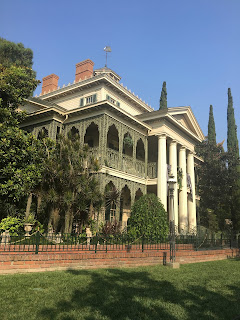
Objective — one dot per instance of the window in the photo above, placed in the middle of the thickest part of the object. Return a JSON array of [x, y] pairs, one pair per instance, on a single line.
[[113, 101], [88, 100]]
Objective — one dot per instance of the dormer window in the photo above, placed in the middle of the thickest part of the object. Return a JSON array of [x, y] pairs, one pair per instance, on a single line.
[[113, 101], [88, 100]]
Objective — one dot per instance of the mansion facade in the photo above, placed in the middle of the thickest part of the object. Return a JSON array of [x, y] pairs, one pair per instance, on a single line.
[[137, 147]]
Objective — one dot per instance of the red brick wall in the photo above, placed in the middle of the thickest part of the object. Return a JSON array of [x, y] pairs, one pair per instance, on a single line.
[[29, 262]]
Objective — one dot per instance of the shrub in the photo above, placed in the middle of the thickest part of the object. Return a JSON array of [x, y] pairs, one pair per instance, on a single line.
[[148, 218], [13, 224], [111, 228]]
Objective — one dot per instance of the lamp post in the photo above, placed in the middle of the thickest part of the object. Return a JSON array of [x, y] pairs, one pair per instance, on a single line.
[[171, 186]]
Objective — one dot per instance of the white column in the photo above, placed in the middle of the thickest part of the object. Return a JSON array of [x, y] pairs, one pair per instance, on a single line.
[[183, 216], [173, 164], [162, 170], [192, 220]]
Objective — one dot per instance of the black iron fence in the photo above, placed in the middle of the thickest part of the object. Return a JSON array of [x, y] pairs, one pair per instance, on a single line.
[[38, 242]]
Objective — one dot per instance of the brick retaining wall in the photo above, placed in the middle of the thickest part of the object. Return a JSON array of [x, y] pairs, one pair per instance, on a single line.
[[30, 262]]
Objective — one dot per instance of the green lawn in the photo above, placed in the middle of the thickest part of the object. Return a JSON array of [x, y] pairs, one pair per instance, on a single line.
[[209, 290]]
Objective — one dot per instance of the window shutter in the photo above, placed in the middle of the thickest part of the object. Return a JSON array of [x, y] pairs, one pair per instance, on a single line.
[[94, 98], [81, 102]]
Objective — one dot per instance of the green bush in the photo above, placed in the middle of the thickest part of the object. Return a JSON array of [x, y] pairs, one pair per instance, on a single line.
[[148, 218], [13, 224]]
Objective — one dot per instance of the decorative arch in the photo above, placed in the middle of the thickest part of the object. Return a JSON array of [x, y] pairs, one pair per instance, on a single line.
[[92, 135], [125, 205], [111, 201], [113, 138], [140, 150], [128, 144], [138, 194], [43, 133], [73, 133]]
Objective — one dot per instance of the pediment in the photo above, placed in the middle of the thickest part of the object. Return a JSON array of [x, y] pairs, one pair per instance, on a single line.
[[186, 118]]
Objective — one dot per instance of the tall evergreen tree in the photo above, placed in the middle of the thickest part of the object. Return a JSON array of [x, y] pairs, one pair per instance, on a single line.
[[232, 140], [233, 165], [211, 127], [163, 98]]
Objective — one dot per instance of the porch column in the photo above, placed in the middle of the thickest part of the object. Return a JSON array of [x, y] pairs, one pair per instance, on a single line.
[[183, 216], [192, 221], [162, 170], [173, 164]]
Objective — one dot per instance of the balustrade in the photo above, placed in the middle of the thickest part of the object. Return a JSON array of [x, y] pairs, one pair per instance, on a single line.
[[126, 164], [112, 159]]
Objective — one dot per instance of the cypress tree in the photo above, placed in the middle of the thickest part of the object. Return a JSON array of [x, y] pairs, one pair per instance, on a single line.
[[163, 98], [233, 165], [211, 127], [232, 140]]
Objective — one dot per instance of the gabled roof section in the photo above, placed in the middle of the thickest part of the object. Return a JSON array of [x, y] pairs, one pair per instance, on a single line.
[[182, 117], [185, 116], [34, 104]]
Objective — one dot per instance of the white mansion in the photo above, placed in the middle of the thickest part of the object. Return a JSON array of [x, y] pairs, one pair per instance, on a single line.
[[136, 146]]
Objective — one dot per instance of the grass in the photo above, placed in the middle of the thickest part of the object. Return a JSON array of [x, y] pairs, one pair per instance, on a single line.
[[209, 290]]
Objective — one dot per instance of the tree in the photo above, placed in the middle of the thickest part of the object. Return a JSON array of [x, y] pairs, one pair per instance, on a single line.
[[211, 127], [148, 218], [163, 98], [20, 168], [232, 140], [213, 185], [15, 54], [69, 188], [233, 165]]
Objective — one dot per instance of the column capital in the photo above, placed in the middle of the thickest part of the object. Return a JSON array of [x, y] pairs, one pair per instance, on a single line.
[[162, 136], [190, 152], [173, 141], [183, 148]]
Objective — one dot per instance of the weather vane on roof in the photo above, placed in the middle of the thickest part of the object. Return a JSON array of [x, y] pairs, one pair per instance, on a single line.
[[107, 49]]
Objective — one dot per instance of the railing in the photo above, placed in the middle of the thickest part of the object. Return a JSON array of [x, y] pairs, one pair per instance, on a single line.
[[127, 164], [112, 158], [152, 170], [140, 168], [38, 242]]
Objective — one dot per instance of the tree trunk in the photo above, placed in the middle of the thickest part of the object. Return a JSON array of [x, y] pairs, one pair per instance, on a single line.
[[39, 202], [56, 218], [91, 211], [68, 221], [28, 208], [50, 220]]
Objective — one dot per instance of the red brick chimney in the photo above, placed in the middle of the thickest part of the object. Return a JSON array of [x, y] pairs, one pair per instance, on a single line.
[[49, 83], [84, 70]]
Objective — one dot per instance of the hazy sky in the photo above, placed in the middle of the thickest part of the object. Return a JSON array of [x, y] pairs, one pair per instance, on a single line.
[[193, 45]]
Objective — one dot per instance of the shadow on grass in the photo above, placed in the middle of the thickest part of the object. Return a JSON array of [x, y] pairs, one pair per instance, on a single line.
[[118, 294]]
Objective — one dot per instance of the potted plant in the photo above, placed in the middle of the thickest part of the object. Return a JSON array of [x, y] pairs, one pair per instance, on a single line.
[[28, 224]]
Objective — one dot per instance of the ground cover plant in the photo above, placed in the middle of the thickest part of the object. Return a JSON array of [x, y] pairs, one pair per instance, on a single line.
[[209, 290]]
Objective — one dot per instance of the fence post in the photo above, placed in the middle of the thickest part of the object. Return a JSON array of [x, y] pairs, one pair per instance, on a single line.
[[96, 243], [37, 242]]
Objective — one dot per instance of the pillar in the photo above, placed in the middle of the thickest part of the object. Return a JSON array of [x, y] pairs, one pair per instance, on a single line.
[[183, 216], [192, 221], [173, 164], [162, 170]]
